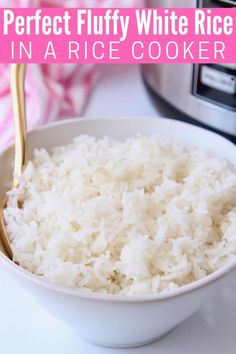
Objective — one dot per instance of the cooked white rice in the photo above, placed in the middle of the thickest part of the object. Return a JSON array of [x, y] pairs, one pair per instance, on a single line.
[[136, 217]]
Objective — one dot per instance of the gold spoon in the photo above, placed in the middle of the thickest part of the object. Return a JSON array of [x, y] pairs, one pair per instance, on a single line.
[[18, 103]]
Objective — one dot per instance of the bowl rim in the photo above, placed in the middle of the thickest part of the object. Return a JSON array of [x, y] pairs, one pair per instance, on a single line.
[[16, 270]]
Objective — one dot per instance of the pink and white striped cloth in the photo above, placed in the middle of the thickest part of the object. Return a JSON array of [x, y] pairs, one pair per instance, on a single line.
[[53, 91]]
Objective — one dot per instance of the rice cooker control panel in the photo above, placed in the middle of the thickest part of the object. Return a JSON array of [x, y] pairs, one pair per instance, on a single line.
[[216, 82]]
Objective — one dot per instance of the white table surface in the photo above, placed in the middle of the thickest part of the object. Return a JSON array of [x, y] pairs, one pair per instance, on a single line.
[[27, 329]]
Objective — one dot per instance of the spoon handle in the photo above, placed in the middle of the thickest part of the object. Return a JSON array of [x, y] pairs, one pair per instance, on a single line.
[[18, 102]]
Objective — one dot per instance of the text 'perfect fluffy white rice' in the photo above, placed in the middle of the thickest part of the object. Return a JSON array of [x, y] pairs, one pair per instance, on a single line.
[[136, 217]]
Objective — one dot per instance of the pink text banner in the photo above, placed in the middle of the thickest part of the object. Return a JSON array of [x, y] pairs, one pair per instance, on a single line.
[[117, 35]]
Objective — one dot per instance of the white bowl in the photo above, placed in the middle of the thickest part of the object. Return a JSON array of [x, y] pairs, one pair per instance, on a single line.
[[110, 320]]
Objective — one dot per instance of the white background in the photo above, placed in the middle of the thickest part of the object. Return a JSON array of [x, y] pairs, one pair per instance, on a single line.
[[27, 329]]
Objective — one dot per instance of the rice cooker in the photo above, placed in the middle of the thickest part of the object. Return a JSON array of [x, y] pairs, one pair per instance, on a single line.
[[205, 93]]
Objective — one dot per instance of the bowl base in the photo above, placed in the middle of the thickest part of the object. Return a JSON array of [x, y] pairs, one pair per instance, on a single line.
[[127, 345]]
